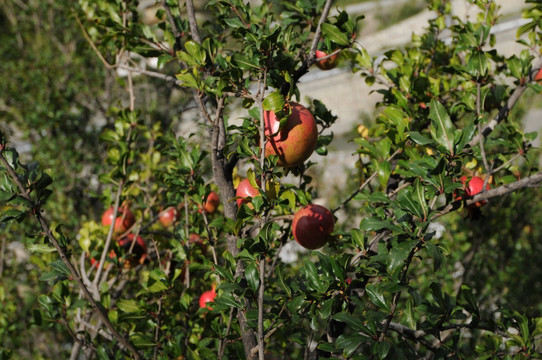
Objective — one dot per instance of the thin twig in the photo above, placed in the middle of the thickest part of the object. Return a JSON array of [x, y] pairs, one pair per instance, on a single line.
[[493, 171], [2, 252], [365, 183], [261, 291], [150, 73], [105, 251], [157, 329], [222, 346], [92, 45]]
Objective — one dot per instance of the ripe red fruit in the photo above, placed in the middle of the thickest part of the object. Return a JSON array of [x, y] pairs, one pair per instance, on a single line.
[[296, 140], [328, 63], [244, 190], [538, 76], [472, 187], [139, 251], [168, 216], [124, 220], [207, 296], [312, 226], [211, 203]]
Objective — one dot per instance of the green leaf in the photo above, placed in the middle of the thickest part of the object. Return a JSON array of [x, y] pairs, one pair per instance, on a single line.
[[526, 28], [334, 34], [398, 254], [6, 196], [46, 302], [349, 343], [466, 136], [234, 23], [419, 138], [244, 62], [314, 281], [355, 323], [376, 296], [381, 348], [102, 353], [141, 341], [11, 214], [357, 236], [224, 273], [478, 64], [281, 281], [442, 129], [227, 300], [375, 224], [188, 80], [419, 196], [157, 287], [326, 308], [128, 306], [41, 248], [408, 202], [195, 51], [252, 276], [469, 300], [60, 268], [514, 65], [436, 254], [329, 347], [274, 102], [289, 196]]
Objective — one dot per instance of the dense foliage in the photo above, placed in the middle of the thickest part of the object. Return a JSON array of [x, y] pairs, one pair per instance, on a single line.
[[104, 104]]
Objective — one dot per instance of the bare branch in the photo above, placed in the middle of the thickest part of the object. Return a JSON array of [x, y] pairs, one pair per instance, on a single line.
[[192, 20], [92, 45], [150, 73]]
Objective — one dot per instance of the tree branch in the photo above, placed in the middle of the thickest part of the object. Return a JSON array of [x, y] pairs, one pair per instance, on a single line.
[[192, 21], [528, 182], [414, 335], [505, 110], [309, 60]]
